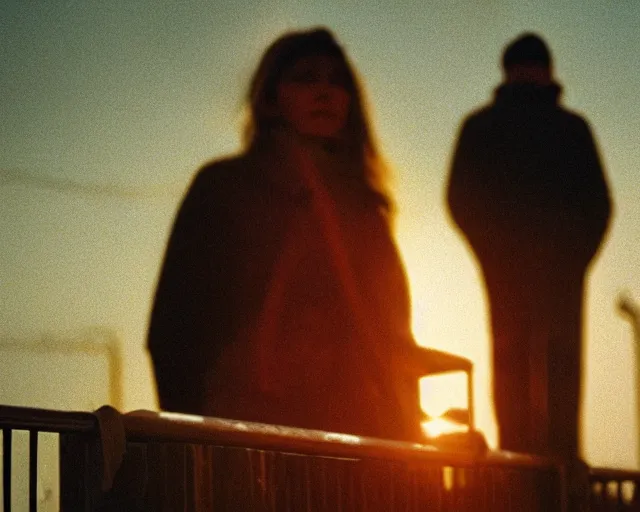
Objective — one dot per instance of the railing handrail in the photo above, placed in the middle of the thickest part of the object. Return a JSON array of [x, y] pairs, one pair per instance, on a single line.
[[46, 420], [614, 474], [163, 426]]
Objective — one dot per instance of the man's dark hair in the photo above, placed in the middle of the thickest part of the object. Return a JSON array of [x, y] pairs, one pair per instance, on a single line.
[[528, 48]]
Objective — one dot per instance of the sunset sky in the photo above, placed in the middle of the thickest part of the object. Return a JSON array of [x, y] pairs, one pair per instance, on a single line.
[[107, 109]]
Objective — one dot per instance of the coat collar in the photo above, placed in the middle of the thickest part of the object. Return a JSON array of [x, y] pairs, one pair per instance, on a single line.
[[527, 93]]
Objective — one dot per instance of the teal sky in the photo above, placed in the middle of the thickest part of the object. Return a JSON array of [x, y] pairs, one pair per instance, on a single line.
[[107, 109]]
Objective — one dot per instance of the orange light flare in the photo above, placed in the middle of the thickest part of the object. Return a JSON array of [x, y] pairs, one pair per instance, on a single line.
[[438, 426], [439, 394]]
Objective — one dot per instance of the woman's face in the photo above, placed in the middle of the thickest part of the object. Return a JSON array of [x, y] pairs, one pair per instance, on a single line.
[[312, 96]]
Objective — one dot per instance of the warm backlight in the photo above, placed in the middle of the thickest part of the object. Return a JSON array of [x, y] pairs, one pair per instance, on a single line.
[[438, 426]]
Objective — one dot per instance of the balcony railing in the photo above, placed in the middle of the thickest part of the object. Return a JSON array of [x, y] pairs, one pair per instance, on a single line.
[[614, 489], [160, 461]]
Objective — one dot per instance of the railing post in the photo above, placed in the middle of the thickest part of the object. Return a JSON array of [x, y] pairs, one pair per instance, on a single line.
[[33, 470], [80, 472], [7, 447]]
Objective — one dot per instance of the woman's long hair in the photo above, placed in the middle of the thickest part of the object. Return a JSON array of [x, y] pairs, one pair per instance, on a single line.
[[366, 162]]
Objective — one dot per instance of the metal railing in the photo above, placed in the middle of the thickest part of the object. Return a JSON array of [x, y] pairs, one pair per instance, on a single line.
[[266, 467], [174, 462], [614, 489], [35, 422]]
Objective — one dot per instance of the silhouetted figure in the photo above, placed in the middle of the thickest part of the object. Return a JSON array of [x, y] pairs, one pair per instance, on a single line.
[[527, 190], [282, 298]]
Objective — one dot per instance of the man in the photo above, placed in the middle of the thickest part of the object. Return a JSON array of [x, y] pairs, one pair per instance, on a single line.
[[528, 192]]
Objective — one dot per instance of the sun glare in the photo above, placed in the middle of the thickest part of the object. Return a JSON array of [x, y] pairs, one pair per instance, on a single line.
[[439, 393], [439, 426]]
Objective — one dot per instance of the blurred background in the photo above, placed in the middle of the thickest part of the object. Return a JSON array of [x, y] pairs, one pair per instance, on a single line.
[[107, 109]]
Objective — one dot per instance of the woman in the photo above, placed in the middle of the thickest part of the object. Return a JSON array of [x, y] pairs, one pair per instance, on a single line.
[[282, 298]]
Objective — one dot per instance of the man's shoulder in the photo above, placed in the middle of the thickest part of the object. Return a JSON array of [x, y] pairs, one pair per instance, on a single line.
[[489, 113], [572, 117], [479, 118]]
